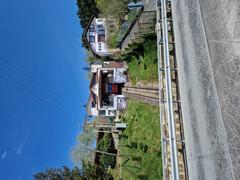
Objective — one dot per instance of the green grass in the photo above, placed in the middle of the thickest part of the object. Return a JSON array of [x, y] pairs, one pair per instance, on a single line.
[[141, 140]]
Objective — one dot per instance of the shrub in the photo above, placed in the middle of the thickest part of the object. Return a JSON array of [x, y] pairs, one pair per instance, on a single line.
[[112, 40]]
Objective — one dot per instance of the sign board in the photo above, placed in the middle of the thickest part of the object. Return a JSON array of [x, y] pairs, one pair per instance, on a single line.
[[121, 125]]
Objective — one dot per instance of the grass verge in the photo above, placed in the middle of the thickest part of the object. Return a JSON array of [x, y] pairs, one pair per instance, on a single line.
[[141, 140]]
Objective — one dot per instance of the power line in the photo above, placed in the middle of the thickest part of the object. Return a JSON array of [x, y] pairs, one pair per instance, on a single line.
[[20, 85], [32, 79]]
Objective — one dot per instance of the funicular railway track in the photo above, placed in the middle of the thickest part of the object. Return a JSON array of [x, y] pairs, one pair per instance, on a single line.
[[149, 95]]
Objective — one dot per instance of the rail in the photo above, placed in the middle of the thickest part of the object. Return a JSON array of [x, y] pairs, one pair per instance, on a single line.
[[142, 94]]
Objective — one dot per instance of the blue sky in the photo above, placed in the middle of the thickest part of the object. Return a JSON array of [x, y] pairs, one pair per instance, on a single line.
[[42, 83]]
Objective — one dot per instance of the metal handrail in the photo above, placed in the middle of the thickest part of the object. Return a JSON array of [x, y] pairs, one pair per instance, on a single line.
[[169, 95]]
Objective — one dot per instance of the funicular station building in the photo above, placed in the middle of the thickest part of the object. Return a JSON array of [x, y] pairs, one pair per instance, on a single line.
[[106, 97]]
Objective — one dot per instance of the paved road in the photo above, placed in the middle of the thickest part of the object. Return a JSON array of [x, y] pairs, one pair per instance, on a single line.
[[208, 51]]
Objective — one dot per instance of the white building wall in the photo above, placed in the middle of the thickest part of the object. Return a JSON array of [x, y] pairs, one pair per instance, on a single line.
[[101, 28]]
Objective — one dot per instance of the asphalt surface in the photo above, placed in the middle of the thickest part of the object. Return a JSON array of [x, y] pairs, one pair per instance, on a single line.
[[208, 53]]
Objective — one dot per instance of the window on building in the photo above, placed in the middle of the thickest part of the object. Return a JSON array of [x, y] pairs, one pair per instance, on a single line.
[[101, 31], [102, 112], [111, 101], [100, 26], [101, 38], [91, 28], [91, 39]]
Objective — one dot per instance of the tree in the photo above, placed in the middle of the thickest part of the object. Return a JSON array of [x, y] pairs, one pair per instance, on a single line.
[[84, 152], [63, 173], [106, 144], [86, 8], [88, 172], [80, 153]]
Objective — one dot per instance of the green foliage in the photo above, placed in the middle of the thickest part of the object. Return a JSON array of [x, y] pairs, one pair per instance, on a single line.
[[88, 172], [92, 172], [141, 140], [86, 8], [82, 152], [143, 66], [112, 8], [99, 3], [60, 173], [112, 40], [106, 144], [87, 137]]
